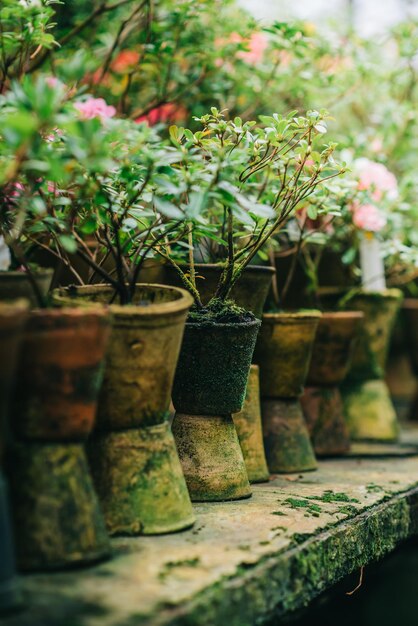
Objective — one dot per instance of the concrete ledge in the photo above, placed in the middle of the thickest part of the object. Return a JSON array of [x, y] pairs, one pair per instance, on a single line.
[[245, 562]]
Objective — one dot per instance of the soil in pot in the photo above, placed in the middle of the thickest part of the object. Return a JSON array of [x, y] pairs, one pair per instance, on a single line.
[[133, 456], [283, 353], [321, 402], [368, 408], [210, 385], [12, 319], [58, 381]]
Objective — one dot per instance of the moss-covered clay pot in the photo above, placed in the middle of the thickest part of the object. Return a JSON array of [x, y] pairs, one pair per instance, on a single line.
[[16, 284], [368, 408], [12, 319], [250, 432], [57, 517], [250, 291], [133, 456], [410, 317], [321, 402], [209, 386], [283, 352]]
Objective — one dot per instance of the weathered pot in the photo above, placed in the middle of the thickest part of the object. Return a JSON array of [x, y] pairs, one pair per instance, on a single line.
[[56, 512], [133, 456], [211, 380], [212, 371], [16, 284], [57, 517], [12, 319], [321, 402], [368, 408], [250, 432], [410, 317], [283, 352], [142, 353], [250, 291], [211, 457], [60, 374]]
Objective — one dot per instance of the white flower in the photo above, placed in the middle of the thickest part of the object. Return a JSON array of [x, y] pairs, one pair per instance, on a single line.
[[5, 258]]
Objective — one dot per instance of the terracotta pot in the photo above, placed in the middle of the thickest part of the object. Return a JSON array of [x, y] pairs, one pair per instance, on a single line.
[[212, 371], [410, 317], [12, 320], [60, 374], [331, 357], [283, 352], [142, 353], [250, 291], [132, 440], [369, 411], [56, 512], [249, 429], [17, 285]]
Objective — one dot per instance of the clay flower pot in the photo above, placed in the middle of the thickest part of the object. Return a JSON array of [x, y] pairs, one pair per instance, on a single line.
[[321, 402], [12, 319], [16, 284], [368, 408], [283, 353], [209, 386], [56, 512], [410, 317], [133, 456], [249, 429]]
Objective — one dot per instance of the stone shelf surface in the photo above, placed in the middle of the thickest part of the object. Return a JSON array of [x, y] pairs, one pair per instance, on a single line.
[[245, 562]]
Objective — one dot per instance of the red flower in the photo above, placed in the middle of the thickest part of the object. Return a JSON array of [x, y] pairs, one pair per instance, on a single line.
[[168, 112]]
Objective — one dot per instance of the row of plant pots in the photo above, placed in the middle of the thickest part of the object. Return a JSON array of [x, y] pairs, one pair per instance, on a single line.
[[122, 359]]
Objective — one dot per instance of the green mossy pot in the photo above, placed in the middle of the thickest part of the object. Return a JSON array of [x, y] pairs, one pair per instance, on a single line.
[[133, 456], [12, 319], [211, 457], [250, 432], [212, 371], [56, 512], [140, 481], [410, 317], [283, 352], [250, 291], [321, 402], [16, 284], [369, 411]]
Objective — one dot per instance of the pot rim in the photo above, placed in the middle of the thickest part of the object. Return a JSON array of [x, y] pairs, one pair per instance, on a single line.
[[69, 312], [268, 269], [220, 325], [20, 274], [180, 305], [10, 308], [342, 314], [292, 316]]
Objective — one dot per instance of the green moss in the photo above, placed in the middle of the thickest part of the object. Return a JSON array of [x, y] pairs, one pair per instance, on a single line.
[[220, 312], [278, 513], [312, 509], [348, 510], [333, 496]]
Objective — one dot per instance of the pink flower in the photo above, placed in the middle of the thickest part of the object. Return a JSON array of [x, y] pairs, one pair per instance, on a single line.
[[368, 217], [168, 112], [256, 45], [376, 178], [126, 60], [95, 107]]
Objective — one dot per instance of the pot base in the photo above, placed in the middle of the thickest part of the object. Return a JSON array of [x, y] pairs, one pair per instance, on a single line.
[[58, 521], [139, 480], [323, 411], [250, 433], [211, 457], [286, 437], [369, 412], [10, 594]]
